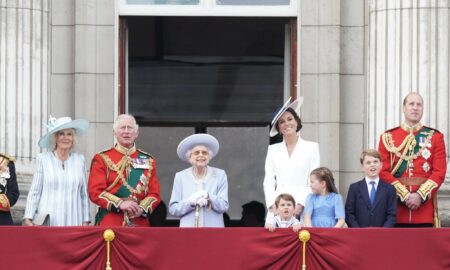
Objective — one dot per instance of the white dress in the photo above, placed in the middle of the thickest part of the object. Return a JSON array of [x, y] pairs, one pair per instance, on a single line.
[[286, 174], [59, 189]]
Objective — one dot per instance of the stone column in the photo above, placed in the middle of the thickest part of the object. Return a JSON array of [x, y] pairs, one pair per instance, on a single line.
[[408, 51], [24, 57], [23, 76], [94, 66]]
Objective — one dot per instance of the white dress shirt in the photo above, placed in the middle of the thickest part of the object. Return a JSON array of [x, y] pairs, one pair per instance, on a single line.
[[369, 185]]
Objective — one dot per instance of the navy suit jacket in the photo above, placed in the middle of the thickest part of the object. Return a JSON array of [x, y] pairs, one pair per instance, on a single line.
[[360, 213]]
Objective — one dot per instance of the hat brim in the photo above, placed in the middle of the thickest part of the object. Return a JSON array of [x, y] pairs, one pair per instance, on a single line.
[[190, 142], [295, 105], [79, 125]]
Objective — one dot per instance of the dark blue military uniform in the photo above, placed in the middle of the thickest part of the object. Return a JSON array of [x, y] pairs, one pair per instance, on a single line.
[[9, 191]]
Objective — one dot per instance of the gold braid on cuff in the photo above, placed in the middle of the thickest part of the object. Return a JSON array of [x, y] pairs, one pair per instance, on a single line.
[[426, 188], [111, 199], [147, 203], [401, 190]]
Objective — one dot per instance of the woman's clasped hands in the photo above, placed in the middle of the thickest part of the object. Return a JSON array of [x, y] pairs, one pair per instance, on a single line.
[[199, 198]]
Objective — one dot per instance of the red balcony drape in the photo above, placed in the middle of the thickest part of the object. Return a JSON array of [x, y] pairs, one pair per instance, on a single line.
[[229, 248]]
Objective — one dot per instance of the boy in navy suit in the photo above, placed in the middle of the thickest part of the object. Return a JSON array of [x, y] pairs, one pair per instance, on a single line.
[[371, 202]]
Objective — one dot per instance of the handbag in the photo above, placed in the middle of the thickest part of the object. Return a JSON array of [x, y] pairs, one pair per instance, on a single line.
[[41, 220]]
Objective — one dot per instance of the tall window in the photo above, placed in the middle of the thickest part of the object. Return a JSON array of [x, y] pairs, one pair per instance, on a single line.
[[207, 71]]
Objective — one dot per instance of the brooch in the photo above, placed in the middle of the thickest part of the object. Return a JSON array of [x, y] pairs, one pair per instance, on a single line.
[[426, 153]]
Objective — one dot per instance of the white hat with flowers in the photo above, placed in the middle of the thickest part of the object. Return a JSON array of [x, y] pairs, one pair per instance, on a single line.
[[56, 124]]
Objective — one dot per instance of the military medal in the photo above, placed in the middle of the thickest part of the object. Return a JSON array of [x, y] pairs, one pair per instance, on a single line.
[[421, 141], [141, 163], [426, 167], [426, 153]]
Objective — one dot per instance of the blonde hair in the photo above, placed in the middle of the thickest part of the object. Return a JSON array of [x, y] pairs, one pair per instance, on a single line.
[[52, 139], [371, 153]]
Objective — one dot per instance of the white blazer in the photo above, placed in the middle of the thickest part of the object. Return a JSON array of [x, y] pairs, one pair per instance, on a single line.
[[286, 174]]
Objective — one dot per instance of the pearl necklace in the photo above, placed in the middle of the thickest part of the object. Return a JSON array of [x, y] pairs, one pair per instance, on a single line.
[[197, 176]]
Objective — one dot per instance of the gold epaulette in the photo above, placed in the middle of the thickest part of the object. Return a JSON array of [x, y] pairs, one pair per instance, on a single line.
[[435, 130], [426, 188], [103, 151], [392, 129], [401, 190]]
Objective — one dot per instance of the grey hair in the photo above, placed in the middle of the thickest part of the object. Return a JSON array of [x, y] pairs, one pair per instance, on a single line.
[[122, 117], [189, 152], [52, 139]]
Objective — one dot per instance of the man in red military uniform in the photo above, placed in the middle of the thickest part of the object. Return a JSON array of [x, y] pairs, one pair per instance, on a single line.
[[123, 181], [414, 161]]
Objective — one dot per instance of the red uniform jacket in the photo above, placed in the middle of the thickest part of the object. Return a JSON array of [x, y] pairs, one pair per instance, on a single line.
[[411, 157], [120, 174]]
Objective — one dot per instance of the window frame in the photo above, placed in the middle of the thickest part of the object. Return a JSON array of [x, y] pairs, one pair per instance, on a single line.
[[209, 8]]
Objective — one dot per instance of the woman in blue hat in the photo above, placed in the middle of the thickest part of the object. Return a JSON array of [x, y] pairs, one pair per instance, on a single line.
[[59, 184], [290, 162], [200, 192]]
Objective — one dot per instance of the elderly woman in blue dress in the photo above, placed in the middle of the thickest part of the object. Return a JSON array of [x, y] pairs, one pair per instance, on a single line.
[[200, 192], [59, 183]]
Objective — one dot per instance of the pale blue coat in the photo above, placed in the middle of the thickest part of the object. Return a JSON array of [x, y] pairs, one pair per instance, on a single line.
[[185, 185]]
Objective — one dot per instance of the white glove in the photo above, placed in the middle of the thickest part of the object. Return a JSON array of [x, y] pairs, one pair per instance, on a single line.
[[204, 194], [202, 202], [194, 197]]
